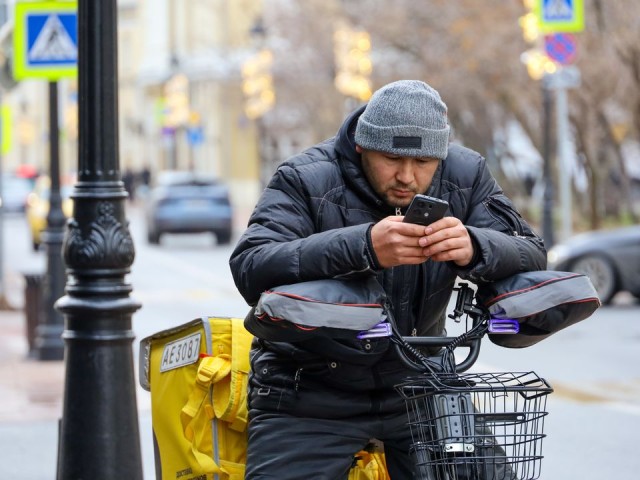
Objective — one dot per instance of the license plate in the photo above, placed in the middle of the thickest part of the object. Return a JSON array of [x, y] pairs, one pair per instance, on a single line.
[[181, 352]]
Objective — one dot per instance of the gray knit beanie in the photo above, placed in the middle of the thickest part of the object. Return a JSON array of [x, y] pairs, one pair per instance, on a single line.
[[406, 118]]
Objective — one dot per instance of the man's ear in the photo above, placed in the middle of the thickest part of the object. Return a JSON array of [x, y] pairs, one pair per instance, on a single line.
[[358, 149]]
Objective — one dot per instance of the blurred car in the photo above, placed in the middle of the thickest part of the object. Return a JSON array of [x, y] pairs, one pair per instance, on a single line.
[[610, 258], [184, 202], [38, 206], [15, 190]]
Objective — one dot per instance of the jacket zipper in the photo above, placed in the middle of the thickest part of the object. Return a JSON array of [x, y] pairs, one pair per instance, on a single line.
[[515, 223]]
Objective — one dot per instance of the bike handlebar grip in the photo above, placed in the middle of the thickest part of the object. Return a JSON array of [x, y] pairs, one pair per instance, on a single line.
[[382, 329], [503, 325]]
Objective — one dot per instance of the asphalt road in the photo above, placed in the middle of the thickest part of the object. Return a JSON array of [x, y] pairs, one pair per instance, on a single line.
[[594, 413]]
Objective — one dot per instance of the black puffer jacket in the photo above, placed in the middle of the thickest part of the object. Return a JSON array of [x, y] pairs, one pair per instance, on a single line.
[[312, 222]]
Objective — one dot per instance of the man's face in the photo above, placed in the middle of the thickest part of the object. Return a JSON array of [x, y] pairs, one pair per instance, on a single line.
[[397, 179]]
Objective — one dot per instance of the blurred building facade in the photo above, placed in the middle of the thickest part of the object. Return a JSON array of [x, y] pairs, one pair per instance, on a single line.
[[181, 104]]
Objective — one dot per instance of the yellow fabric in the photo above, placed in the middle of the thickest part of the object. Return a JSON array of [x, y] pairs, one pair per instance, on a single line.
[[369, 466], [199, 411], [230, 392], [197, 406]]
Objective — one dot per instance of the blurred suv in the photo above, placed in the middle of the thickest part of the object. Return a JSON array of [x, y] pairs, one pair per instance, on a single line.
[[14, 193], [185, 202]]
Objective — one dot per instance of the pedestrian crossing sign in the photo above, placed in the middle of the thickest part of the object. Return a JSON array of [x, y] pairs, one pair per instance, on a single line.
[[45, 40], [560, 16]]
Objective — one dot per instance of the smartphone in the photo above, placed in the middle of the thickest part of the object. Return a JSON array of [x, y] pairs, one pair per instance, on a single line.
[[425, 210]]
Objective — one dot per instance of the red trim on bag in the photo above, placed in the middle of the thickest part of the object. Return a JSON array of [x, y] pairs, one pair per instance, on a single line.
[[584, 300], [276, 320], [533, 287], [307, 299], [306, 329], [273, 319]]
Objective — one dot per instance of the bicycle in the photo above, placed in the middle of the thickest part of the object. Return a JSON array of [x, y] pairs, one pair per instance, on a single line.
[[475, 426], [471, 426]]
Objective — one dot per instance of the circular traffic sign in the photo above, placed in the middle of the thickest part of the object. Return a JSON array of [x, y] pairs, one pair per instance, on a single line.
[[561, 47]]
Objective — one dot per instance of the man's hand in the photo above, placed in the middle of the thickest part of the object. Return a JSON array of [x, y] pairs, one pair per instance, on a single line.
[[448, 240], [398, 243]]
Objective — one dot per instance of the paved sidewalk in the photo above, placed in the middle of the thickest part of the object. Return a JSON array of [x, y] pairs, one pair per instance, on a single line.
[[30, 404], [31, 401], [30, 390]]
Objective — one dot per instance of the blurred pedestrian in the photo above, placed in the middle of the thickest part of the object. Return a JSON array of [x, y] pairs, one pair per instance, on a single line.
[[129, 180], [145, 176], [144, 182]]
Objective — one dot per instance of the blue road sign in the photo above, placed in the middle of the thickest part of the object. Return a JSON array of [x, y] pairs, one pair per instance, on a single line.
[[560, 15], [561, 47], [195, 136], [557, 10], [45, 40], [52, 39]]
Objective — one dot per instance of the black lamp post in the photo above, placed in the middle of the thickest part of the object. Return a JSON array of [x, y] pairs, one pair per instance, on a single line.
[[48, 343], [99, 437]]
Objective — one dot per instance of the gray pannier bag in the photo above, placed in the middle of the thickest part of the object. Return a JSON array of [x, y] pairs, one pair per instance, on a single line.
[[543, 302], [336, 308]]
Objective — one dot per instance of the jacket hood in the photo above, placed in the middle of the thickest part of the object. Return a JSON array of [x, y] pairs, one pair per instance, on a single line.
[[350, 163]]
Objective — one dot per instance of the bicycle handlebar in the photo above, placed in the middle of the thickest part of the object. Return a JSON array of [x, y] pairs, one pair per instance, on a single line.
[[471, 339], [473, 345]]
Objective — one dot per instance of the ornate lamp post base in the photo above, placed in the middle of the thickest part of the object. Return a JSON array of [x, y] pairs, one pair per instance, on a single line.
[[99, 436]]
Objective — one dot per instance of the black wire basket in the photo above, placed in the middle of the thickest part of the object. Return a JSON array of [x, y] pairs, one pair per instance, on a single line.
[[476, 426]]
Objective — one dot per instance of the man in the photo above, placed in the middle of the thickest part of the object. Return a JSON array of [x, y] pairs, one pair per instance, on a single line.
[[335, 210]]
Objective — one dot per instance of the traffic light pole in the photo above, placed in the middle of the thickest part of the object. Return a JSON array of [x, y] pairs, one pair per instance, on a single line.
[[564, 161], [99, 437], [560, 81], [547, 199]]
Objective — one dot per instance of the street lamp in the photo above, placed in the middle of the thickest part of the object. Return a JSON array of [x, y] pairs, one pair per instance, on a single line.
[[99, 437], [48, 344]]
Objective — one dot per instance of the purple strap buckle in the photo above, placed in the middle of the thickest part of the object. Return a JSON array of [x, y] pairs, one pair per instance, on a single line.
[[503, 325], [382, 329]]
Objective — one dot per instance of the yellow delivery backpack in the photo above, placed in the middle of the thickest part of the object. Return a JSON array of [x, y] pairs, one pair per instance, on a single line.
[[197, 374]]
